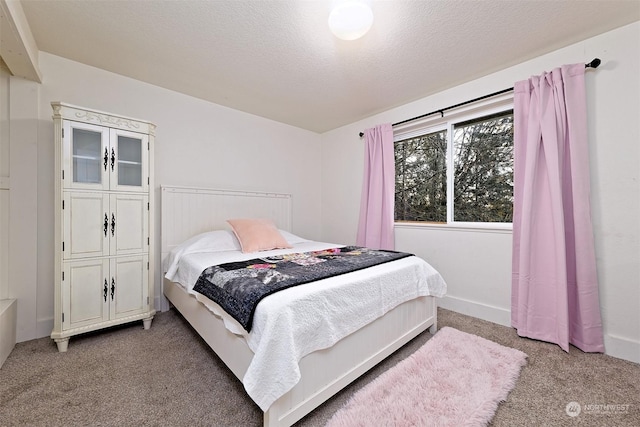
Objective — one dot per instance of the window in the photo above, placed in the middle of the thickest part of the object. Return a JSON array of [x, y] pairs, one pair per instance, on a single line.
[[483, 169], [421, 178], [456, 170]]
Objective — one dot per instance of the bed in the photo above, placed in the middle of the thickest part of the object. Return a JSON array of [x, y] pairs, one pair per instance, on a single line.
[[309, 370]]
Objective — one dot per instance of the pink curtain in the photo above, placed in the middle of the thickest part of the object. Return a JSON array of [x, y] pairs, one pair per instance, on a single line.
[[375, 228], [554, 285]]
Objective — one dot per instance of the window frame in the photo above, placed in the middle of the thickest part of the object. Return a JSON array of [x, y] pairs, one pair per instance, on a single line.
[[446, 121]]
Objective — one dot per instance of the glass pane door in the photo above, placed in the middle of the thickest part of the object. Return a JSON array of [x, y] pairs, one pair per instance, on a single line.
[[129, 161], [87, 156]]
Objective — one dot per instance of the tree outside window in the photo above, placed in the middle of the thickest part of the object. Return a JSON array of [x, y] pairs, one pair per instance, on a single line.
[[480, 162], [421, 178]]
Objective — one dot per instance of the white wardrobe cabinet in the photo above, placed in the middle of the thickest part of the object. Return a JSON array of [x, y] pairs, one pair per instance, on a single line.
[[103, 221]]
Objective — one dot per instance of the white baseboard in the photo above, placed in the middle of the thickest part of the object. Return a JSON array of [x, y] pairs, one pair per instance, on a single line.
[[8, 321], [618, 347], [44, 327], [622, 348], [490, 313], [161, 303]]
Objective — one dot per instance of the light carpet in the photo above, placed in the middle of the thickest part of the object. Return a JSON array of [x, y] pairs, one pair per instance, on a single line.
[[454, 379]]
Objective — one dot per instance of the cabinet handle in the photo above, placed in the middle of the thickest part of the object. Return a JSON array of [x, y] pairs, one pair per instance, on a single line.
[[113, 158], [106, 289], [106, 158], [106, 224], [113, 288], [113, 224]]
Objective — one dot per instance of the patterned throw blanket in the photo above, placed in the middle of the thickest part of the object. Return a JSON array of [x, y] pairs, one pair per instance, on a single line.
[[238, 287]]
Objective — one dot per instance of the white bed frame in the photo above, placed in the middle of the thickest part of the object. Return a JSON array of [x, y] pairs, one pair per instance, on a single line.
[[189, 211]]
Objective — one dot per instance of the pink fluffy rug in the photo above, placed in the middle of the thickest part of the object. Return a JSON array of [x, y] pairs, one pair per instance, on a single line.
[[455, 379]]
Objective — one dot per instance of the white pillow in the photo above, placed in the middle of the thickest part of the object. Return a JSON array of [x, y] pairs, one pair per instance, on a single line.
[[292, 238], [211, 241]]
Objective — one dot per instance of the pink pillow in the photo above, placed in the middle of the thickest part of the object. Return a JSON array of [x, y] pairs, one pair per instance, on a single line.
[[257, 235]]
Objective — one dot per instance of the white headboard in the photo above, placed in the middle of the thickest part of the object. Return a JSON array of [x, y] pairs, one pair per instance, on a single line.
[[187, 211]]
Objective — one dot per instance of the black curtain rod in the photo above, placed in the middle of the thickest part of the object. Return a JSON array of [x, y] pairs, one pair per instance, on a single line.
[[593, 64]]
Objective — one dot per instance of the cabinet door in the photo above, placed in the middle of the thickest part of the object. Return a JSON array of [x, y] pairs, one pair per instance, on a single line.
[[85, 299], [129, 224], [129, 157], [86, 156], [129, 286], [87, 222]]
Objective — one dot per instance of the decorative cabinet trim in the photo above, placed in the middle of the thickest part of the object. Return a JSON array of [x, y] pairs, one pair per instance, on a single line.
[[112, 121], [62, 110]]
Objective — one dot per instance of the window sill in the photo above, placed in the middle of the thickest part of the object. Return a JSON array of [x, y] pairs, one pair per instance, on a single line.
[[462, 226]]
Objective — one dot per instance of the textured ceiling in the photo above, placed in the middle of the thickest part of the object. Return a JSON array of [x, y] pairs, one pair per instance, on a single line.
[[277, 59]]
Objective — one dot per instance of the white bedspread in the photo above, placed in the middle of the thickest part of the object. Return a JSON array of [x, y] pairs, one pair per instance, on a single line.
[[294, 322]]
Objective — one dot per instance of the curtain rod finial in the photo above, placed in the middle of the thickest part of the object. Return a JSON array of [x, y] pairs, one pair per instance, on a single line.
[[595, 63], [361, 134]]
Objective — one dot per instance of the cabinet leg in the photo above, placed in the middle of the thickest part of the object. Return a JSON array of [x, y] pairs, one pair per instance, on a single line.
[[147, 322], [62, 344]]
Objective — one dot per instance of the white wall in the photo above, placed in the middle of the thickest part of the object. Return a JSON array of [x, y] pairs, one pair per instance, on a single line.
[[8, 305], [477, 264], [4, 181], [197, 143]]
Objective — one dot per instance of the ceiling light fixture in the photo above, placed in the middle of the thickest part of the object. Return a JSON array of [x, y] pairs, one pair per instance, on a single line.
[[350, 19]]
